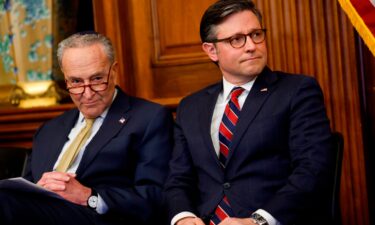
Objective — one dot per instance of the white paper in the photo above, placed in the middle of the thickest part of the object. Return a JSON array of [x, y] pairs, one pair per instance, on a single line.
[[23, 185]]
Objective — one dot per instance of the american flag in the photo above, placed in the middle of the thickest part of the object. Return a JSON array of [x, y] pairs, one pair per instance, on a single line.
[[362, 15]]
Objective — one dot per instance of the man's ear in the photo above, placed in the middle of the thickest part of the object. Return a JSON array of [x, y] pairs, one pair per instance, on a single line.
[[210, 50], [115, 66], [114, 69]]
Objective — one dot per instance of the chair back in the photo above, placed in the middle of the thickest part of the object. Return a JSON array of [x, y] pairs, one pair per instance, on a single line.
[[13, 161], [338, 144]]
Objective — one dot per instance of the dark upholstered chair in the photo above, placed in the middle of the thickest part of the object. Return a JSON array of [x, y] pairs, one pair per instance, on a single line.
[[12, 161], [338, 143]]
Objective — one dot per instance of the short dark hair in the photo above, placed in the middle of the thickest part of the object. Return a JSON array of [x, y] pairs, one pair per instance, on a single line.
[[220, 10]]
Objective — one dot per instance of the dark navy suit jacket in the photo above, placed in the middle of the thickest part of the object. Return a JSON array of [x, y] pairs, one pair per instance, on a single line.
[[281, 158], [127, 160]]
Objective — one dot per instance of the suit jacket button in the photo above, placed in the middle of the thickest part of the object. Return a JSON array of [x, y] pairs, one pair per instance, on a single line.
[[226, 185]]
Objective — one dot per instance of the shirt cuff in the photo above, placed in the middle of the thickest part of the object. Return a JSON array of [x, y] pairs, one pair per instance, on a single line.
[[181, 215], [102, 207], [270, 219]]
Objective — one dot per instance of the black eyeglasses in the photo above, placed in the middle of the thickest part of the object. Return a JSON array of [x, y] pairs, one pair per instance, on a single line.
[[239, 40], [97, 84]]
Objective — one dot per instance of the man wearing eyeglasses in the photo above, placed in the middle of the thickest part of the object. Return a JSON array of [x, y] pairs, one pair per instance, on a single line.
[[106, 160], [254, 148]]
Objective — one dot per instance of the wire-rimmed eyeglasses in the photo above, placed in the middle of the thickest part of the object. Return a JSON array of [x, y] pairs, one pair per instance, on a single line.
[[96, 84], [239, 40]]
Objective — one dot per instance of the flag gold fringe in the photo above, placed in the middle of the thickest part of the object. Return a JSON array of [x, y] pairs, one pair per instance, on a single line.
[[359, 24]]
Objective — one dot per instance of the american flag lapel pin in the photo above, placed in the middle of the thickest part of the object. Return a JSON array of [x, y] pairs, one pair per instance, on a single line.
[[263, 89], [122, 120]]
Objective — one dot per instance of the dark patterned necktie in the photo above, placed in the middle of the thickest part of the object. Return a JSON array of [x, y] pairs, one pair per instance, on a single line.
[[226, 130]]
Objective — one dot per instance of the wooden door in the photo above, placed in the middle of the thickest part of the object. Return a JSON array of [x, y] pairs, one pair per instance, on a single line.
[[158, 42]]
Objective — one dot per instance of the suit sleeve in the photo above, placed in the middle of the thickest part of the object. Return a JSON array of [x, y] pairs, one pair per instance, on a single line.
[[182, 180], [311, 157], [27, 173]]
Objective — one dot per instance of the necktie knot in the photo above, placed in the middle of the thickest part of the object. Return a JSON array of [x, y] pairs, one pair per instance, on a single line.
[[89, 122], [236, 91]]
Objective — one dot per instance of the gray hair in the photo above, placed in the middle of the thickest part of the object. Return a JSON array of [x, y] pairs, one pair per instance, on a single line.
[[85, 39]]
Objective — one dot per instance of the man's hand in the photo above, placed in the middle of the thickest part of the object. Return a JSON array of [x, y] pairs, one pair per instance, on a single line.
[[65, 185], [237, 221], [190, 221]]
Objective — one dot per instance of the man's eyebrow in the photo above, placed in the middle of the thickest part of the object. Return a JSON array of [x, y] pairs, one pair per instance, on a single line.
[[242, 33], [90, 77], [74, 78]]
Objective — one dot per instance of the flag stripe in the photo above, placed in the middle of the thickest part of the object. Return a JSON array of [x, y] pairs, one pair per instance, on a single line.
[[367, 12], [361, 14]]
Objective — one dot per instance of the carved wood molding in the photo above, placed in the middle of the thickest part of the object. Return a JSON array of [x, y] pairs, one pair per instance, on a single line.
[[176, 43], [18, 126]]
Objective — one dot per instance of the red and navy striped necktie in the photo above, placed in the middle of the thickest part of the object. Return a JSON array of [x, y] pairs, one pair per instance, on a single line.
[[226, 130], [228, 124]]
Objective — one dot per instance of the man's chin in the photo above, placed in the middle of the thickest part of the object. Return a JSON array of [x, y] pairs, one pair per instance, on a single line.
[[253, 67], [250, 74], [254, 71], [90, 112]]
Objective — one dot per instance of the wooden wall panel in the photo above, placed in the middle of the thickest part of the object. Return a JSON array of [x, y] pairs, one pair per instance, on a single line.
[[178, 40], [162, 61], [155, 51], [178, 58], [176, 81], [112, 17]]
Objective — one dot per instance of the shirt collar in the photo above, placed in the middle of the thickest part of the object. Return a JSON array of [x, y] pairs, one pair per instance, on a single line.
[[227, 87]]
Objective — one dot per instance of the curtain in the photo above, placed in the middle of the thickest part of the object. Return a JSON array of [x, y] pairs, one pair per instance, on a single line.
[[26, 40], [29, 33]]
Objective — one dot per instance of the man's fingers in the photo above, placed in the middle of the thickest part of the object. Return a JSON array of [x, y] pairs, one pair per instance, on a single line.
[[55, 186], [198, 221]]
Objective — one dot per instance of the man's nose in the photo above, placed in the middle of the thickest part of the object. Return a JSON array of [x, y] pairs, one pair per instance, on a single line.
[[249, 45], [88, 92]]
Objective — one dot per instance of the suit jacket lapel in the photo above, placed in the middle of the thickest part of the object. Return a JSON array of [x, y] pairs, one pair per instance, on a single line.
[[112, 124], [207, 106], [260, 91], [58, 144]]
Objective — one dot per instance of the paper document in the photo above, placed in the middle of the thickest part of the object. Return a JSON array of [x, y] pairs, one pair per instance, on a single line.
[[21, 184]]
